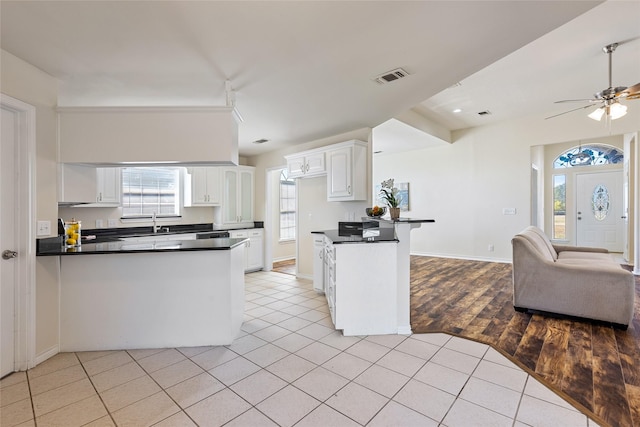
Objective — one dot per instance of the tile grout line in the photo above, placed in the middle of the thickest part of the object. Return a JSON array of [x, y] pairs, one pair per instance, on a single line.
[[96, 390]]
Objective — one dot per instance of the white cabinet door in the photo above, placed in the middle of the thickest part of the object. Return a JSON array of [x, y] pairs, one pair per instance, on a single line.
[[197, 187], [347, 172], [230, 196], [202, 186], [306, 165], [255, 251], [339, 173], [296, 166], [237, 197], [109, 186], [245, 199], [318, 263], [315, 164]]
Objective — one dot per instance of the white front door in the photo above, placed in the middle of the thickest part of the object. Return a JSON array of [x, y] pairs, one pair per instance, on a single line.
[[600, 208], [7, 241]]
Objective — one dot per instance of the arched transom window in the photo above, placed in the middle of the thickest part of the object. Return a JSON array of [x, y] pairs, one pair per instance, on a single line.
[[589, 155]]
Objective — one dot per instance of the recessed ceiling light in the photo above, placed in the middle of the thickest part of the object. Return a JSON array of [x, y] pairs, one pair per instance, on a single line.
[[457, 110], [260, 141]]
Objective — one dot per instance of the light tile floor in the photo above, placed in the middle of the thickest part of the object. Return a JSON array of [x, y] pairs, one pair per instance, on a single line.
[[288, 367]]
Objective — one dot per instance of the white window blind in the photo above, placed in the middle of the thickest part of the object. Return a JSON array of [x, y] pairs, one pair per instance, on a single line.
[[287, 207], [149, 190]]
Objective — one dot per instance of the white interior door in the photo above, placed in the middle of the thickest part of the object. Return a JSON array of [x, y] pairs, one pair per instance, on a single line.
[[600, 208], [7, 242]]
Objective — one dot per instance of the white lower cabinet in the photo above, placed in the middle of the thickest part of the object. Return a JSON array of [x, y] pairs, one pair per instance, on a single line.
[[254, 252], [360, 286], [318, 263]]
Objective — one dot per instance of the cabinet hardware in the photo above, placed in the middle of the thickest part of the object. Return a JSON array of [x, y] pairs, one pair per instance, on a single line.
[[307, 167]]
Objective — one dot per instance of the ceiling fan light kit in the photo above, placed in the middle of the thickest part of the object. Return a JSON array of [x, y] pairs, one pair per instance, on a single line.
[[614, 111], [609, 99]]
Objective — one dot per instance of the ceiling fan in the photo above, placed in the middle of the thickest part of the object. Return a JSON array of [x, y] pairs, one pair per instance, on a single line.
[[608, 100]]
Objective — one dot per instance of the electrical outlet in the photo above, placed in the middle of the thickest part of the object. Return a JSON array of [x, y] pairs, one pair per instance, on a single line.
[[44, 228], [112, 223], [99, 223], [508, 211], [490, 248]]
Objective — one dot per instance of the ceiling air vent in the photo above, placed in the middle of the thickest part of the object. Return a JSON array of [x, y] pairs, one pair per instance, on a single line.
[[390, 76], [484, 113]]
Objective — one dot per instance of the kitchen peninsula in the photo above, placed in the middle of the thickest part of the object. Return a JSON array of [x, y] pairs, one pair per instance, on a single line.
[[171, 293], [364, 273]]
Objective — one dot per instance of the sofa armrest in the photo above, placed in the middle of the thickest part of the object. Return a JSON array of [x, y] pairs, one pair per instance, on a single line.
[[561, 248]]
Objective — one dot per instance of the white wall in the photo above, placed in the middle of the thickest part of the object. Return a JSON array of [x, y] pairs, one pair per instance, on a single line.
[[465, 186], [22, 81]]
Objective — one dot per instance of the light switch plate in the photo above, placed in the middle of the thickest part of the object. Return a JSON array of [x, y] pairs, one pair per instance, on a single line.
[[44, 228], [508, 211], [99, 223]]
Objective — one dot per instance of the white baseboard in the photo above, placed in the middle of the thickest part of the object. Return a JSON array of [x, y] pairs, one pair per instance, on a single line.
[[404, 330], [470, 258], [284, 259], [47, 354]]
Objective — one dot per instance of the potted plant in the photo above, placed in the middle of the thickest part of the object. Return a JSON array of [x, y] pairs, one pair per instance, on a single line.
[[390, 194]]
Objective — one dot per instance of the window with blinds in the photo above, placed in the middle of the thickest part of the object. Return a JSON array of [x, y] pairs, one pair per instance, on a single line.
[[287, 207], [149, 190]]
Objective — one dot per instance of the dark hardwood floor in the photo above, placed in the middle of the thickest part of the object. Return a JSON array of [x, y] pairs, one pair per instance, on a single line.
[[287, 266], [595, 367]]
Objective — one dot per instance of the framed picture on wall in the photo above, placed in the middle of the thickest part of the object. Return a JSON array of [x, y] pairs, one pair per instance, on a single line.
[[403, 193]]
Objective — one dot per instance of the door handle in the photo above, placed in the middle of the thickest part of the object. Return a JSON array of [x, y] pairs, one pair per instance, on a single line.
[[9, 254]]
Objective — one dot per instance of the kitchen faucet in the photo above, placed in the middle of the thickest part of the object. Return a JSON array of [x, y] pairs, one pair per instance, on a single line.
[[155, 227]]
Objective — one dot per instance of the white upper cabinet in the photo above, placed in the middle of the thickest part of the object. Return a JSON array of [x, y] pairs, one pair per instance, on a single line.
[[306, 165], [344, 164], [109, 186], [202, 186], [237, 196], [347, 172], [88, 184]]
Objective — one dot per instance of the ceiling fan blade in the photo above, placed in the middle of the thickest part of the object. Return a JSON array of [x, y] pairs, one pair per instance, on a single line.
[[578, 100], [632, 92], [570, 111]]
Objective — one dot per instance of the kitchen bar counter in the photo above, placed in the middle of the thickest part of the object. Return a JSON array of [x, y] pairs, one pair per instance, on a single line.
[[385, 235], [54, 246]]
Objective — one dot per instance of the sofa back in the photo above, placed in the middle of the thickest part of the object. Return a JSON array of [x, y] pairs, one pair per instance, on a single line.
[[540, 242]]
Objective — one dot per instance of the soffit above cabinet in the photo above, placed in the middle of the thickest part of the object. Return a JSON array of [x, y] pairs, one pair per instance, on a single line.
[[117, 136]]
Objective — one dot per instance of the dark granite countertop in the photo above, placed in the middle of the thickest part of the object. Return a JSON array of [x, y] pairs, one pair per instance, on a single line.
[[399, 220], [54, 246], [385, 235]]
